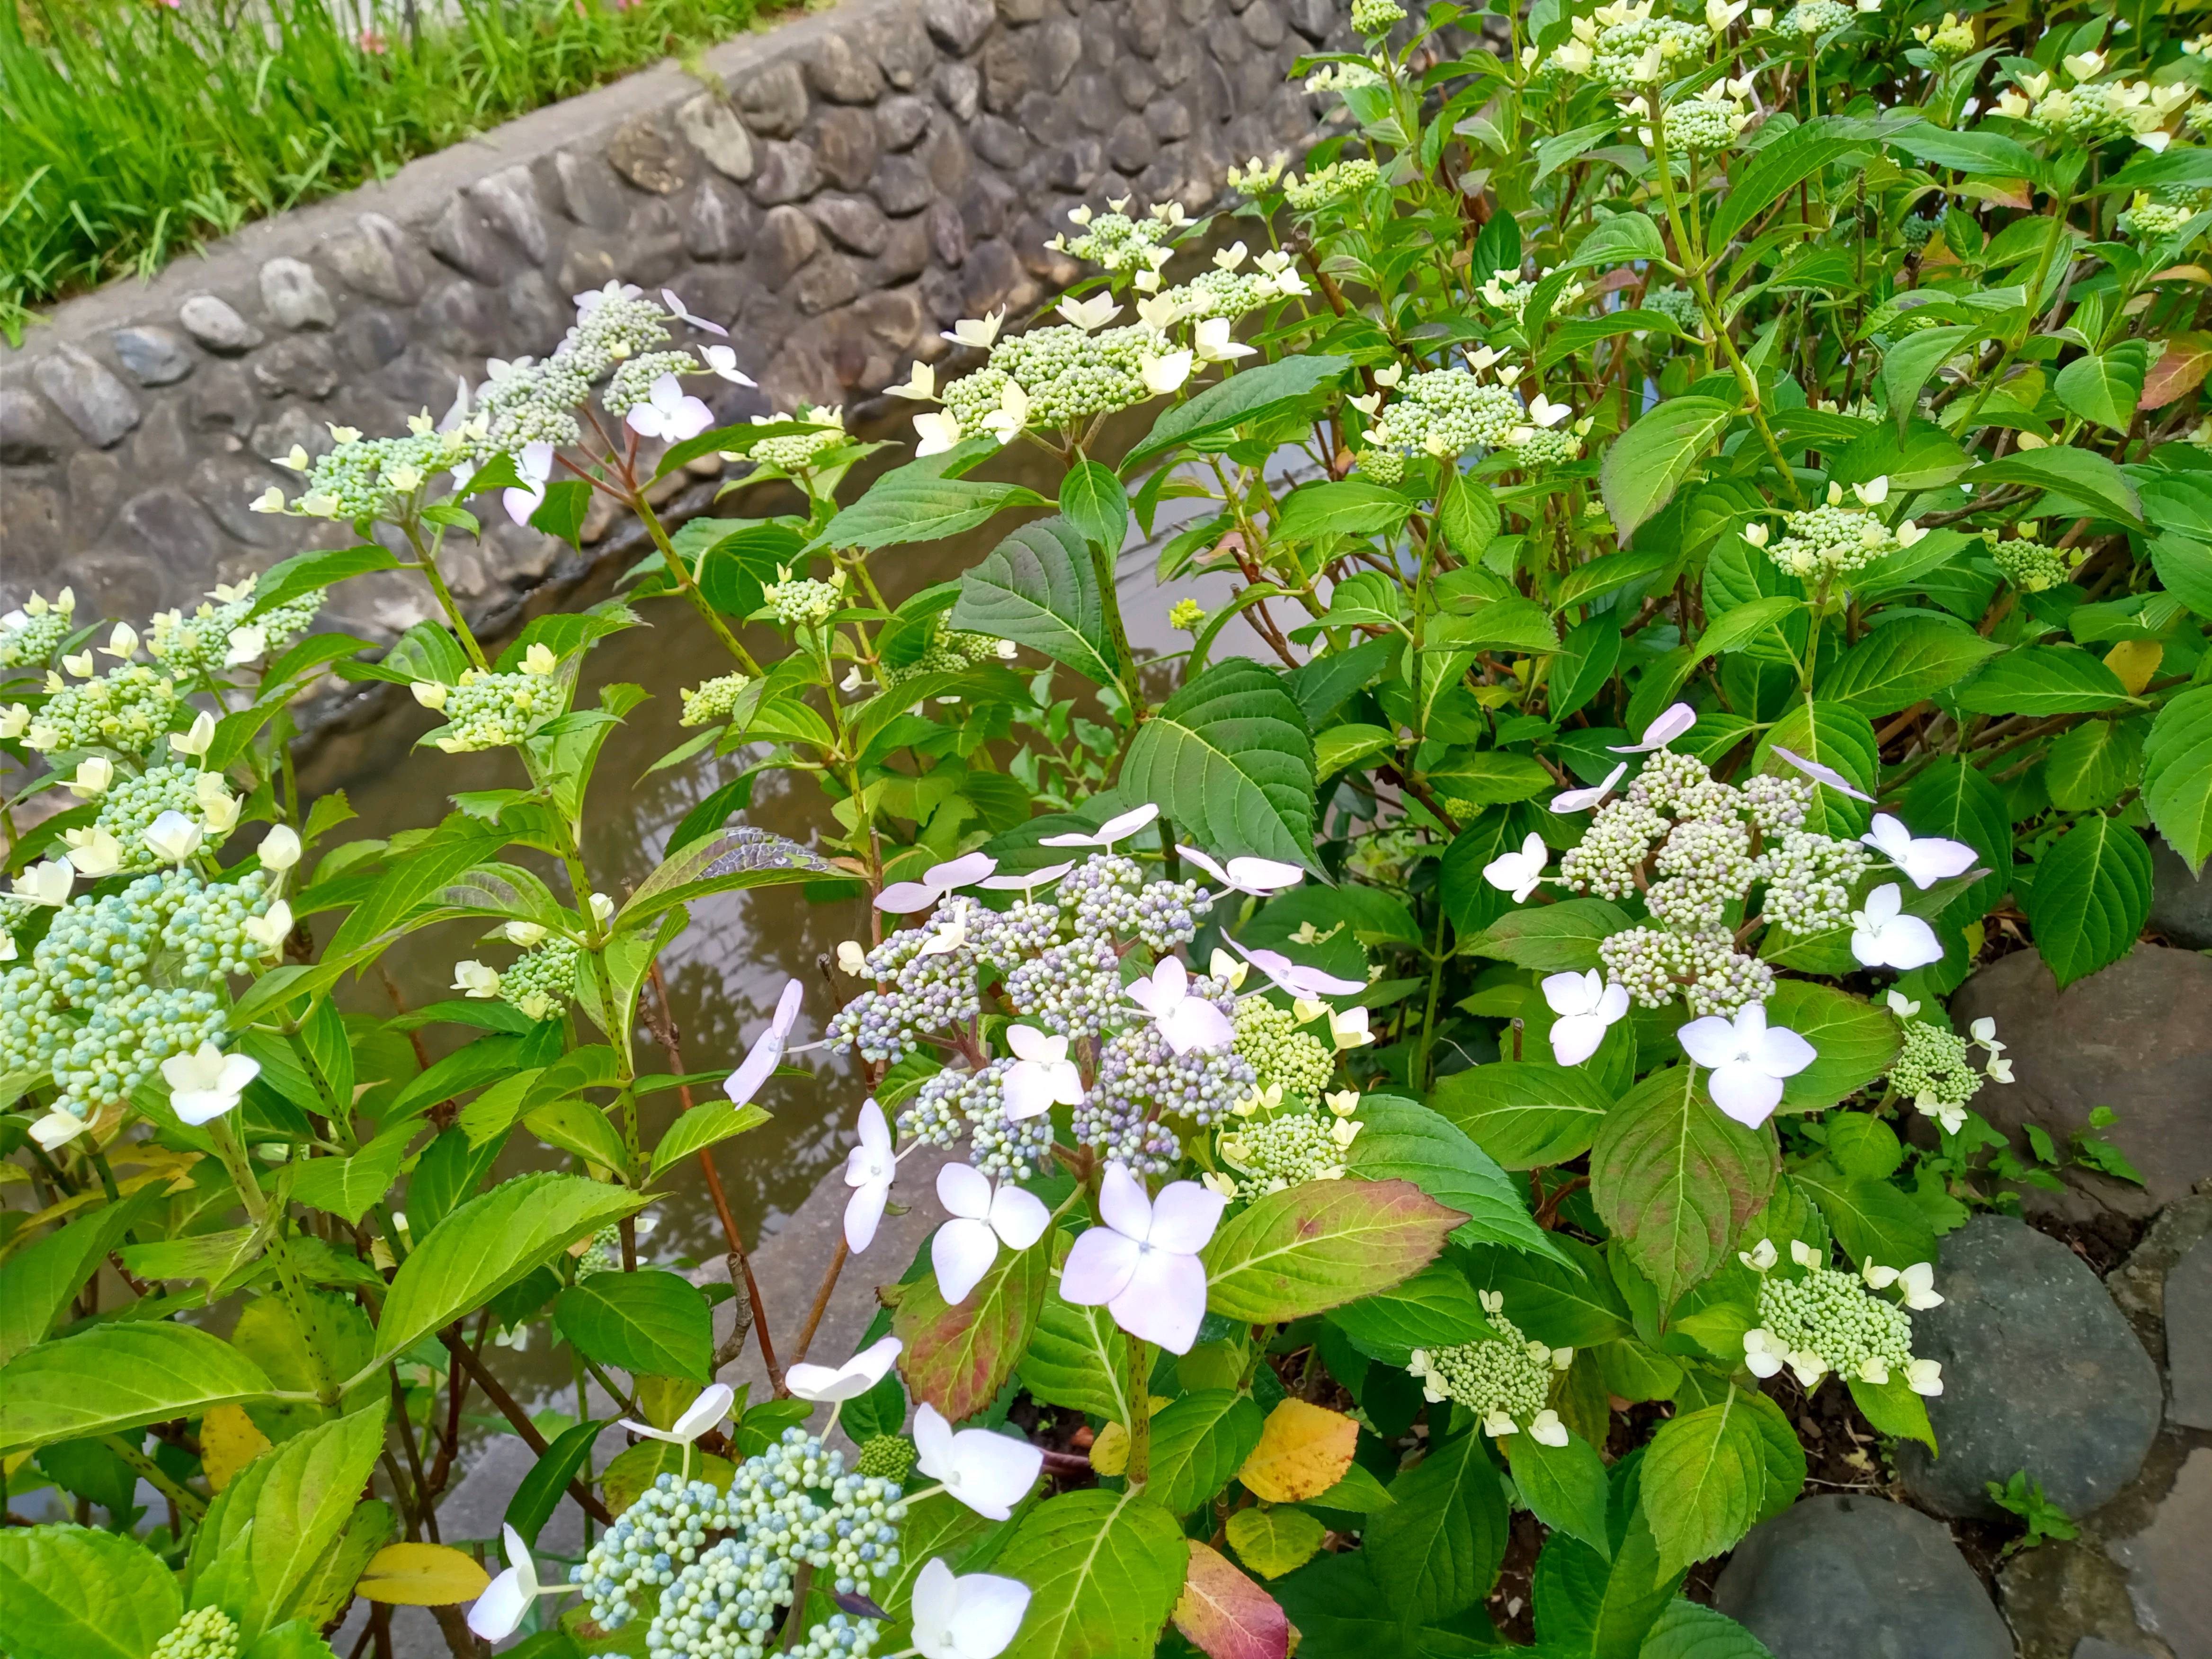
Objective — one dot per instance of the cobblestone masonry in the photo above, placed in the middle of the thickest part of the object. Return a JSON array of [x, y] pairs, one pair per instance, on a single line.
[[837, 189]]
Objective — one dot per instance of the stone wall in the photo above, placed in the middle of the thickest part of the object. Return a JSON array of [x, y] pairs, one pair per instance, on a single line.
[[837, 189]]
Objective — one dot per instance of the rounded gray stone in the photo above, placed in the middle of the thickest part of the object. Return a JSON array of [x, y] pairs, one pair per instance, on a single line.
[[295, 296], [773, 101], [2189, 1337], [2165, 1562], [787, 173], [29, 431], [2180, 898], [152, 354], [957, 24], [2041, 1372], [93, 401], [1855, 1577], [377, 258], [717, 134], [216, 327]]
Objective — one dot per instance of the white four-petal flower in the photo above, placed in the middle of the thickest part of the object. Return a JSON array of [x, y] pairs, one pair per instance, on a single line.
[[723, 361], [1922, 860], [1519, 874], [963, 1249], [988, 1472], [838, 1384], [534, 466], [1041, 1076], [677, 307], [1142, 1263], [1749, 1060], [972, 1616], [206, 1082], [709, 1407], [1883, 936], [870, 1168], [669, 412], [767, 1052], [1585, 1006], [1186, 1022]]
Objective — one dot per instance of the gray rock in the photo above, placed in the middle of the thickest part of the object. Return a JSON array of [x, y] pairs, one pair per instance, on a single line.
[[989, 278], [2180, 898], [1145, 26], [35, 534], [369, 337], [509, 201], [223, 400], [167, 526], [295, 296], [1131, 146], [1059, 49], [91, 399], [1312, 18], [901, 185], [1075, 167], [842, 74], [2166, 1563], [957, 24], [153, 356], [589, 191], [645, 155], [2095, 1647], [2189, 1338], [2040, 1373], [948, 237], [463, 318], [216, 327], [853, 223], [224, 485], [1021, 11], [789, 240], [29, 432], [902, 49], [1009, 73], [1134, 83], [1168, 119], [717, 134], [1000, 142], [720, 224], [464, 241], [376, 258], [906, 254], [826, 283], [2136, 1037], [774, 101], [417, 379], [95, 484], [536, 318], [787, 173], [901, 121], [1262, 25], [893, 315], [960, 89], [300, 368], [162, 446], [1854, 1577], [845, 142]]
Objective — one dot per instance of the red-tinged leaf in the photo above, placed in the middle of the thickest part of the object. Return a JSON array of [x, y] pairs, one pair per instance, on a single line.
[[1226, 1615], [1311, 1248], [958, 1358], [2187, 359], [1675, 1180]]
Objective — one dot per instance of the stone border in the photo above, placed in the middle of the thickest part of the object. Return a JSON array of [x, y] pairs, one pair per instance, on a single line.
[[838, 189]]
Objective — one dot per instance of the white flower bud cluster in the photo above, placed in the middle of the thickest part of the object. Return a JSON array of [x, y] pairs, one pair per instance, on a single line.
[[1447, 412], [631, 384], [612, 327], [713, 702], [528, 402], [1831, 540], [948, 651], [2099, 111], [1073, 988], [2149, 219], [1705, 866], [1808, 880], [1818, 16], [202, 1633], [130, 805], [659, 1534], [1707, 125], [1280, 1054], [1950, 40], [1535, 447], [1612, 849], [1712, 976], [205, 641], [1119, 241], [1322, 185], [1068, 375], [121, 982], [1376, 16], [1682, 786], [957, 1102], [1385, 467], [1503, 1380], [1343, 77], [363, 477], [128, 709], [1283, 1149], [1775, 801], [29, 637], [488, 711], [1626, 45], [1933, 1072], [794, 451]]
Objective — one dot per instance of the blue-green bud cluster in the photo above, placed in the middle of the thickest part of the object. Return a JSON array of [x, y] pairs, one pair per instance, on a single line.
[[128, 709], [121, 982], [1679, 305], [131, 804], [29, 637], [1280, 1054], [533, 402], [199, 643], [1143, 1084], [1447, 412], [202, 1633], [957, 1102], [541, 980], [1108, 893]]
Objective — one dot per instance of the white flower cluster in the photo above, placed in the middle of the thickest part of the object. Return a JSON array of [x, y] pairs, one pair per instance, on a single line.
[[128, 709], [1324, 185], [1933, 1072], [1119, 243], [794, 452], [217, 635], [1952, 38], [1626, 45], [1274, 1147], [29, 636], [1504, 1380], [1446, 412], [121, 838], [2094, 110], [1826, 1321], [1707, 124], [1376, 16]]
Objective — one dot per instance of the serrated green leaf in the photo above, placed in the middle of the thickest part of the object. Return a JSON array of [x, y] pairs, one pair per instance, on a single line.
[[1228, 760], [1644, 465], [1871, 1219], [1854, 1041], [1039, 587], [1080, 1358], [1242, 397], [1435, 1552], [2077, 474], [1710, 1475], [76, 1592], [958, 1358], [1436, 1307], [1103, 1569], [2091, 897], [909, 505], [649, 1323], [1310, 1248], [2178, 775], [2044, 680], [1342, 506], [1903, 662], [1551, 938], [2105, 386], [1400, 1139], [1689, 1630], [1525, 1113], [1199, 1443], [1564, 1487], [1675, 1180], [703, 1126], [113, 1377]]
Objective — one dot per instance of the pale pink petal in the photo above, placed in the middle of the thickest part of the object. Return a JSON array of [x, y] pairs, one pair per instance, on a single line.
[[1019, 1217], [1192, 855], [1260, 876], [1746, 1093], [1099, 1266], [961, 1252], [962, 871], [1164, 1301], [787, 1007], [1184, 1217], [964, 1191], [902, 898], [1194, 1023], [1027, 1090], [1122, 1202], [1029, 1044], [1613, 1004], [759, 1064]]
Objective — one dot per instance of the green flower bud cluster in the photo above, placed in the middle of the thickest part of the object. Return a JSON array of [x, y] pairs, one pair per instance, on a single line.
[[1507, 1378], [1917, 232], [200, 643], [128, 709], [122, 982], [527, 403], [602, 1255], [542, 980], [1537, 447], [887, 1457], [1118, 242], [2093, 112], [948, 652], [1706, 125], [1325, 185], [488, 711], [1828, 1319], [1067, 375], [131, 804], [2029, 565], [1343, 77], [1619, 48], [1950, 40], [1447, 412], [1711, 974], [1218, 293], [1932, 1070], [1282, 1149], [1828, 541], [631, 384], [796, 451], [1385, 467], [1280, 1054], [29, 637], [1187, 616], [202, 1633], [715, 701], [803, 602], [362, 477], [1819, 16], [1376, 16], [2149, 219]]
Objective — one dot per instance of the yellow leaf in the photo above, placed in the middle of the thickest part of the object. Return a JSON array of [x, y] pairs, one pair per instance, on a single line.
[[2135, 661], [1110, 1452], [422, 1575], [1274, 1542], [1303, 1450], [228, 1442]]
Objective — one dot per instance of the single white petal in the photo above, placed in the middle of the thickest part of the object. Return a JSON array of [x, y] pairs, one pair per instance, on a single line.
[[1192, 1023], [1709, 1041], [863, 1211], [990, 1613], [1261, 876], [1570, 993], [1184, 1217], [1203, 862], [991, 1473], [875, 1133], [1100, 1265], [933, 1441], [1017, 1216], [711, 1407], [1164, 1301], [936, 1602], [961, 1252], [903, 898], [1122, 1203], [1576, 1037], [1613, 1006], [1746, 1093], [964, 1191], [1671, 724], [497, 1613], [1780, 1052], [1041, 1048]]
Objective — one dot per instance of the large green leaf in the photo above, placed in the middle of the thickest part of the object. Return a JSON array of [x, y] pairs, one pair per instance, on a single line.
[[113, 1377], [2077, 474], [347, 1187], [1588, 1608], [1525, 1113], [1689, 1630], [1570, 1306], [266, 1529], [547, 1483], [1839, 736], [2044, 680], [38, 1282], [1093, 502], [1401, 1140], [1342, 507], [1229, 761], [2105, 386], [1710, 1475], [2091, 897], [1554, 937], [1642, 466], [1199, 1442], [1103, 1569], [1854, 1041], [489, 1243], [1310, 1248], [1872, 1220], [1779, 168], [1956, 801], [1564, 1487], [1675, 1179], [1737, 629], [1436, 1307], [1080, 1358], [919, 505], [958, 1358], [1902, 662], [705, 1125], [2177, 774], [1435, 1550], [1232, 402], [1039, 587], [1906, 366], [73, 1593], [649, 1323]]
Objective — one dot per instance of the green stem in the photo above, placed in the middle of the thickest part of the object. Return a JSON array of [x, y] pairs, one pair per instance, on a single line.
[[188, 1502]]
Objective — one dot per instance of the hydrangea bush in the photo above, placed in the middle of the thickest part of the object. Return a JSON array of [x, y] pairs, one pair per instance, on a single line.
[[1718, 513]]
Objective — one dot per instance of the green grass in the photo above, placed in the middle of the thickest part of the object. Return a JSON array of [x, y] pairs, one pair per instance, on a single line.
[[134, 131]]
